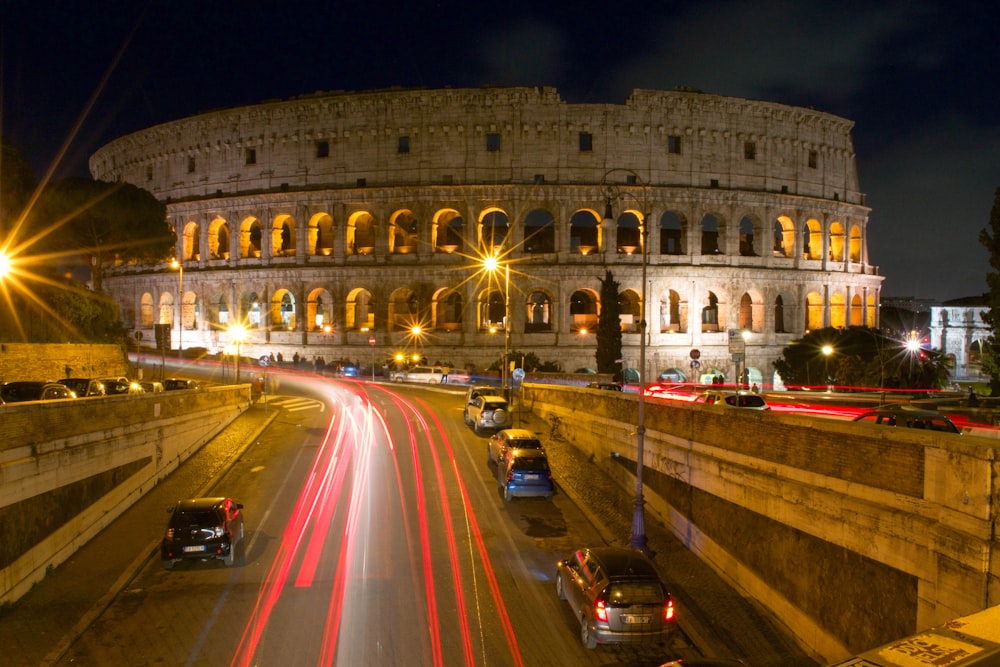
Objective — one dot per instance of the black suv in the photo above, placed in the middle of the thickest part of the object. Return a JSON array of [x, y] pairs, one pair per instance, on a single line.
[[203, 528], [617, 596]]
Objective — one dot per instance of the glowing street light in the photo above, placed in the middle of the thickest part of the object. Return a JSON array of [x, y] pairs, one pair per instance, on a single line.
[[491, 264], [237, 333], [177, 266], [827, 351], [5, 264]]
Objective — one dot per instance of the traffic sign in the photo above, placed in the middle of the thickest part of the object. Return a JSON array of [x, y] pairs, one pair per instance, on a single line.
[[264, 360], [517, 374], [371, 340]]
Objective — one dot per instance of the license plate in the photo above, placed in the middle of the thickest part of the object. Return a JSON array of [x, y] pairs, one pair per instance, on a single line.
[[636, 620], [196, 548]]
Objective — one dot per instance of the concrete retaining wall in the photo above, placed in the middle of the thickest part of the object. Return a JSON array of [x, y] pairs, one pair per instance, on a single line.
[[49, 362], [852, 534], [69, 468]]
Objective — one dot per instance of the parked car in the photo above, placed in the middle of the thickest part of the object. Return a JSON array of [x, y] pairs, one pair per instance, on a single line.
[[507, 440], [526, 474], [203, 529], [487, 413], [606, 386], [905, 415], [28, 390], [480, 390], [173, 384], [423, 375], [347, 371], [121, 385], [733, 399], [151, 387], [84, 387], [458, 376], [616, 594]]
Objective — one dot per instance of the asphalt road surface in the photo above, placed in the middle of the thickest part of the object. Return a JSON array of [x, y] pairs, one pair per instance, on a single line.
[[375, 536]]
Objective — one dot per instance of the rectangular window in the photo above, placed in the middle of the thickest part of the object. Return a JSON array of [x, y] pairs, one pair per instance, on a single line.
[[251, 156], [403, 146], [750, 150], [149, 173], [631, 179], [813, 159], [322, 149], [674, 144], [586, 142], [492, 142], [191, 165]]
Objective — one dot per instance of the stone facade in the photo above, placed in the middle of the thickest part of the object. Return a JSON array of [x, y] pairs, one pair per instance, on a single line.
[[333, 223]]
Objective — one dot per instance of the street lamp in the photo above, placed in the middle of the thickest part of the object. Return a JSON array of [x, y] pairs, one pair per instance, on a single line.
[[237, 333], [492, 264], [827, 351], [179, 267], [637, 539]]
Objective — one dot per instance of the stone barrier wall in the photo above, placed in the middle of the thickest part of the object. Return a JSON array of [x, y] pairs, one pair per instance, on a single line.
[[69, 468], [54, 361], [853, 535]]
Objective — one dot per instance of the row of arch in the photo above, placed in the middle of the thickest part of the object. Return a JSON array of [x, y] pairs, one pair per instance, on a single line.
[[586, 233], [445, 310]]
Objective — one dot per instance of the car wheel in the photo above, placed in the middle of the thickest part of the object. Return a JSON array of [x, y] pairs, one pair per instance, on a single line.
[[585, 636], [478, 430], [560, 591], [489, 455], [507, 496], [230, 558]]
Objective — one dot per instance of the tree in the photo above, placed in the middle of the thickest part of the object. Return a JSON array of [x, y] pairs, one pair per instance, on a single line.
[[990, 239], [609, 328], [103, 223], [861, 357]]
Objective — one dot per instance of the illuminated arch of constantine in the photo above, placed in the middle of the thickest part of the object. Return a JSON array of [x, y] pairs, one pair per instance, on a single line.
[[332, 224]]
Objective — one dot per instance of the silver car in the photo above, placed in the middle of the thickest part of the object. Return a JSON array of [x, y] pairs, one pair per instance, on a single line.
[[617, 596], [487, 413]]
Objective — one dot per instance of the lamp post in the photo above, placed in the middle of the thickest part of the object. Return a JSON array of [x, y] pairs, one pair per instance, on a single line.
[[492, 264], [637, 538], [179, 267], [827, 351], [236, 334]]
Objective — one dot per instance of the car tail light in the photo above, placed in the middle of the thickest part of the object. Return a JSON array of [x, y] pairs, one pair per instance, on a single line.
[[601, 611], [668, 611]]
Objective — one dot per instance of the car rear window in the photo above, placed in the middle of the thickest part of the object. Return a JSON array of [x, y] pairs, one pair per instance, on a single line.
[[495, 405], [635, 592], [190, 518], [530, 463], [525, 444]]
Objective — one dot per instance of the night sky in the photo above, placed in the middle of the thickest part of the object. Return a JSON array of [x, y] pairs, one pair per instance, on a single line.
[[919, 79]]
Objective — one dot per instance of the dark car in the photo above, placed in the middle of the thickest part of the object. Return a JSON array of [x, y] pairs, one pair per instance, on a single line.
[[84, 387], [174, 384], [509, 439], [121, 385], [606, 386], [904, 415], [617, 596], [203, 529], [27, 390], [526, 474]]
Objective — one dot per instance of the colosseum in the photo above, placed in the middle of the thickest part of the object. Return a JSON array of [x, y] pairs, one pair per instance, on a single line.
[[333, 224]]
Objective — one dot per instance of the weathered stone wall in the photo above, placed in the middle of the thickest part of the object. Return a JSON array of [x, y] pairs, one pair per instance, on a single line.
[[48, 362], [69, 468], [853, 535]]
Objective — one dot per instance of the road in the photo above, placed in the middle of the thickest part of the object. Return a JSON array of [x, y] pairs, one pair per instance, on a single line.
[[376, 536]]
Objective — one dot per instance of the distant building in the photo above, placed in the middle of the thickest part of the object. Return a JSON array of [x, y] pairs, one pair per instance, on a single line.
[[958, 330], [331, 224]]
